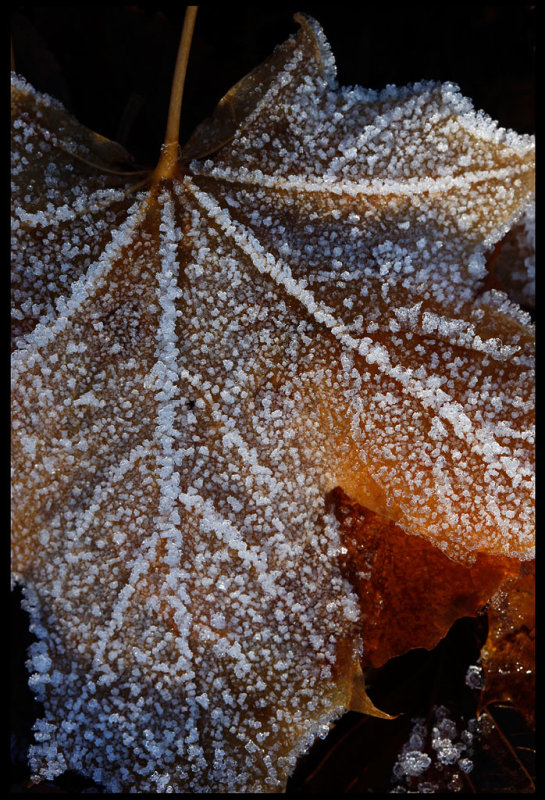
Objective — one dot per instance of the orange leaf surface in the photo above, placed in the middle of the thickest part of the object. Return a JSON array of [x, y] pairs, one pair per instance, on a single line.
[[410, 591]]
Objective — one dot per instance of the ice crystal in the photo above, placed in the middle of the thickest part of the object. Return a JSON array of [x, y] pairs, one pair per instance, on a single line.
[[441, 760]]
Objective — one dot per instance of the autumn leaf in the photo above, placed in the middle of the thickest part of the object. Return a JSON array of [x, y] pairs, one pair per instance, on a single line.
[[297, 306]]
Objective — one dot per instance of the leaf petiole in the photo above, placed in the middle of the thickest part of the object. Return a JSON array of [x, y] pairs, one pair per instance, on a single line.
[[170, 151]]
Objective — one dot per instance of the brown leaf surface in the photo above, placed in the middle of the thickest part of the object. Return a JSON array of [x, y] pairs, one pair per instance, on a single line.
[[410, 591]]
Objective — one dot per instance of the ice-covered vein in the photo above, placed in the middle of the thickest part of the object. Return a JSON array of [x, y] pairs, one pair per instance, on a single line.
[[83, 289], [375, 186], [167, 376], [427, 393], [97, 201], [165, 370], [211, 521], [166, 522], [106, 486]]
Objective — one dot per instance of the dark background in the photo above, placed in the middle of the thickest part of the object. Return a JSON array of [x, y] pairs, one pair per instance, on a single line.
[[112, 65], [112, 68]]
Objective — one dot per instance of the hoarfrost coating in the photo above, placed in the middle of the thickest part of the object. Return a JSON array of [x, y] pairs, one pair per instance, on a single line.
[[197, 367]]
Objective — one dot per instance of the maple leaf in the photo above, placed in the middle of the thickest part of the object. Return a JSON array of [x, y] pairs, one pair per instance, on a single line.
[[300, 306]]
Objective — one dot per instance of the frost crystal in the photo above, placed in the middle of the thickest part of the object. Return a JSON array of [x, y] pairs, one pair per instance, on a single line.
[[442, 758], [475, 677]]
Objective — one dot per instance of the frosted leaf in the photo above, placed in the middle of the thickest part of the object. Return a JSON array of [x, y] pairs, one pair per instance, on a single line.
[[197, 367]]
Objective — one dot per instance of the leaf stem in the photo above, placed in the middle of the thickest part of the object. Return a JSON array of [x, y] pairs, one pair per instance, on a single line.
[[170, 151]]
